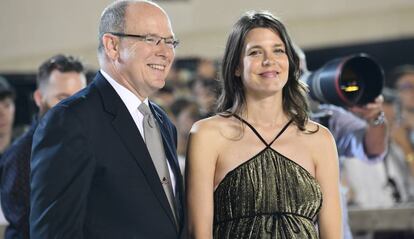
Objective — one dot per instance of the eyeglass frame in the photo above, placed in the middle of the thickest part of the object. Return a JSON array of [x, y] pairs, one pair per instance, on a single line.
[[144, 38]]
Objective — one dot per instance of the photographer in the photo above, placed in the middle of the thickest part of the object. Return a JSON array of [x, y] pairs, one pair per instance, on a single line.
[[359, 131]]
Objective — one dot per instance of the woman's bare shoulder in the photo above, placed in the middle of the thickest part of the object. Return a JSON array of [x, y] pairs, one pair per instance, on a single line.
[[207, 140], [317, 131], [215, 125], [319, 137]]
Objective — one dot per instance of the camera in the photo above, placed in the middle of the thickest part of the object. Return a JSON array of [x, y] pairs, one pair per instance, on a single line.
[[347, 81]]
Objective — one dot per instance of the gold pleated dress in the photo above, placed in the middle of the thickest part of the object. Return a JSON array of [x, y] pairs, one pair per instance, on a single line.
[[268, 196]]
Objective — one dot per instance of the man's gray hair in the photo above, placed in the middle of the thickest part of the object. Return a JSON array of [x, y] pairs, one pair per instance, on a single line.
[[112, 20]]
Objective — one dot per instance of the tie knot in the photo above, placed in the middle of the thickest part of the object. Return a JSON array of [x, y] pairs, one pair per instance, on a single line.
[[144, 109], [148, 118]]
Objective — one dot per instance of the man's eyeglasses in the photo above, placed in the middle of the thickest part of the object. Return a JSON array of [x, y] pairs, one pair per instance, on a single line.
[[151, 39]]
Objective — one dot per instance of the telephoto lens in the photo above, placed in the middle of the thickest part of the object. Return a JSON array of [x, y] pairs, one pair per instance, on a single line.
[[347, 81]]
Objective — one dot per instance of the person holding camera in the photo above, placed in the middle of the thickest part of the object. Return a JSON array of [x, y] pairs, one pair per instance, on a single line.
[[360, 131]]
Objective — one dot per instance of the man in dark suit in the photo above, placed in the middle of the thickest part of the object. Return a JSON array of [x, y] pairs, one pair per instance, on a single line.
[[58, 77], [92, 175]]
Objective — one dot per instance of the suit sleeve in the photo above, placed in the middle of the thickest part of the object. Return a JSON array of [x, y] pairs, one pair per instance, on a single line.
[[61, 174]]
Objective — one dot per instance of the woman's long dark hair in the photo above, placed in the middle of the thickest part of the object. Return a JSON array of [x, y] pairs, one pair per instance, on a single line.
[[232, 99]]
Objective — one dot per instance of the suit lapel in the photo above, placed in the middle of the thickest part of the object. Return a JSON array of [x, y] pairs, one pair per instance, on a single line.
[[131, 137], [169, 146]]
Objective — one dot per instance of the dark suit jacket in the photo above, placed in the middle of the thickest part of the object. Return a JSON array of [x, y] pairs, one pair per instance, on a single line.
[[92, 175]]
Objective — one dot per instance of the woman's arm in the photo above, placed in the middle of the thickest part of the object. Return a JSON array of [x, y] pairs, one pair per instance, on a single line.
[[200, 169], [327, 174]]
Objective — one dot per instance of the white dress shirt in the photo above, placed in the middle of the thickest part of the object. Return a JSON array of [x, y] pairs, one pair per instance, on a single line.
[[132, 102]]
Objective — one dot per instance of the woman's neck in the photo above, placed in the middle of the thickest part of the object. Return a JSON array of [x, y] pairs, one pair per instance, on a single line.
[[265, 111]]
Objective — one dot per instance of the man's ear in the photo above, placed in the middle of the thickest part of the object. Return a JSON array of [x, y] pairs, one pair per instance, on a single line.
[[111, 45], [38, 98]]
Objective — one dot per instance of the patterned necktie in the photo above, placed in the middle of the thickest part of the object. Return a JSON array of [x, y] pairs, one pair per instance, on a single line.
[[155, 147]]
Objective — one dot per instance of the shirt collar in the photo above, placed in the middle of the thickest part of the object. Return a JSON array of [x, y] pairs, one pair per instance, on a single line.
[[130, 100]]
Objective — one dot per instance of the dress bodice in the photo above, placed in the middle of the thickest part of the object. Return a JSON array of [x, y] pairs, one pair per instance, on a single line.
[[267, 196]]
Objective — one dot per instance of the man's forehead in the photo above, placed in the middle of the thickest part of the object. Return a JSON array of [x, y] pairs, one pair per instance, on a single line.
[[154, 21], [144, 10]]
